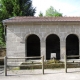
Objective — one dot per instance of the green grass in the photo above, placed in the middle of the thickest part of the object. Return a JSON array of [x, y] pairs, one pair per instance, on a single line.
[[50, 64], [16, 68]]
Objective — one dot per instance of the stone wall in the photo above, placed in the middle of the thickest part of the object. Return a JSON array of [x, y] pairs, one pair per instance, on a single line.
[[17, 34]]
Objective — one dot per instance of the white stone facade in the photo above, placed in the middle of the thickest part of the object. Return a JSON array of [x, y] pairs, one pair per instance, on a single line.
[[17, 34]]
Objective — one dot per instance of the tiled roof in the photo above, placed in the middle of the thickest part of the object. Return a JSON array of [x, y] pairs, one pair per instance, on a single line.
[[40, 19]]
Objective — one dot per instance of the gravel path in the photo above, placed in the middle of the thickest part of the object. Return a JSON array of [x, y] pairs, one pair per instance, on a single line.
[[50, 74]]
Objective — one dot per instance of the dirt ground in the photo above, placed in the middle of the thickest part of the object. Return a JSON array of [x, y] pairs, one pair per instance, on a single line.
[[49, 74]]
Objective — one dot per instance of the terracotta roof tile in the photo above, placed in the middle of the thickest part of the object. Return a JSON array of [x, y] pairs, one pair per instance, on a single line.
[[40, 19]]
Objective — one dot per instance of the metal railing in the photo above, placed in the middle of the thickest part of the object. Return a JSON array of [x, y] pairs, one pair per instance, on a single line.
[[71, 56], [6, 65]]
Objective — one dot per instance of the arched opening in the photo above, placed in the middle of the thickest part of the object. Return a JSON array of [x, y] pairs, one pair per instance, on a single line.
[[72, 45], [33, 46], [52, 47]]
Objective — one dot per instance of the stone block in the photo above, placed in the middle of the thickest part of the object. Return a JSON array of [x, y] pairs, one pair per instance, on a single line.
[[57, 30], [22, 30], [42, 30], [62, 29], [72, 29], [36, 30], [17, 34], [17, 30], [21, 48], [32, 29]]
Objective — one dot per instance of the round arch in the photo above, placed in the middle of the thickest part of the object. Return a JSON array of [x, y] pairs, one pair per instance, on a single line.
[[52, 46], [49, 33], [72, 45], [32, 44]]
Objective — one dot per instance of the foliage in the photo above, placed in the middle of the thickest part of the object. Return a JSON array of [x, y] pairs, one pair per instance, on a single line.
[[50, 64], [23, 8], [40, 14], [10, 8], [53, 61], [2, 42], [17, 7], [52, 12]]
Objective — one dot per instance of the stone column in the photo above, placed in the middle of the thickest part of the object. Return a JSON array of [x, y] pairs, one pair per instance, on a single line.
[[43, 49], [62, 48]]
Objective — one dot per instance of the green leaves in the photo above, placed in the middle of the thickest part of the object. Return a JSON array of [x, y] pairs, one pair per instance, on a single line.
[[10, 8], [52, 12], [40, 14], [23, 8]]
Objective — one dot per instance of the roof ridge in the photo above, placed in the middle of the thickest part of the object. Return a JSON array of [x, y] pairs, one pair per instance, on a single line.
[[40, 19]]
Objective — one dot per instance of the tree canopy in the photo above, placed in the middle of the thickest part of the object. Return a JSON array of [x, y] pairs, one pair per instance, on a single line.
[[17, 7], [40, 14], [52, 12], [11, 8]]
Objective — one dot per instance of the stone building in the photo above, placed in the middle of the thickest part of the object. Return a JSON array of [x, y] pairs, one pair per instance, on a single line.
[[37, 36]]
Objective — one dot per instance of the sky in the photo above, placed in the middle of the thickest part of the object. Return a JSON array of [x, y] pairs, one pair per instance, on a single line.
[[66, 7]]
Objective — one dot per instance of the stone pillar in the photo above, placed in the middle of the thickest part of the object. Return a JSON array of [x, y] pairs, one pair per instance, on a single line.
[[62, 48], [43, 49]]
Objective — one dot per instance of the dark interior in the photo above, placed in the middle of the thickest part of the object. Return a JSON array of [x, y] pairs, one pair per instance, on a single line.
[[52, 46], [72, 46], [33, 46]]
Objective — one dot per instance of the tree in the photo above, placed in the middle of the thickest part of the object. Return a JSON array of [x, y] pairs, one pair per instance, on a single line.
[[18, 7], [40, 14], [10, 8], [23, 8], [52, 12]]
